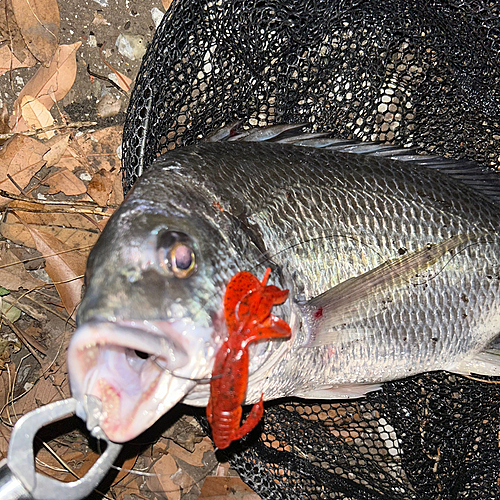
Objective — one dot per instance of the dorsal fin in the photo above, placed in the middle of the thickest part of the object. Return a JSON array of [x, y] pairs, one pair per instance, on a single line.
[[481, 180]]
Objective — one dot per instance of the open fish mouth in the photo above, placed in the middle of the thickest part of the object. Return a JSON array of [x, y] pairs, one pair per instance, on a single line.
[[137, 369]]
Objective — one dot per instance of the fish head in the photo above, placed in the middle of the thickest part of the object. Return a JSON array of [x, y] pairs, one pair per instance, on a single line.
[[151, 317]]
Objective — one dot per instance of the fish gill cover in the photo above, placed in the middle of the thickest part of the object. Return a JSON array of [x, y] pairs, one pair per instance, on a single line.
[[419, 74]]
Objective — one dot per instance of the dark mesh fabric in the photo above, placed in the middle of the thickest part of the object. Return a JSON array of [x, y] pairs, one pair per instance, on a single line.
[[434, 436], [424, 74], [420, 73]]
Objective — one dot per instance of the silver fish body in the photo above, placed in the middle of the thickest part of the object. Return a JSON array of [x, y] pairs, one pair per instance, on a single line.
[[393, 269]]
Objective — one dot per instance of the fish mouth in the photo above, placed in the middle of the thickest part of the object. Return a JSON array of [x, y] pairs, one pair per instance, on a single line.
[[137, 369]]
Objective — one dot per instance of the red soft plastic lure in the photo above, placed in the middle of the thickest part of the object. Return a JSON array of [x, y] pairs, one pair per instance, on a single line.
[[247, 309]]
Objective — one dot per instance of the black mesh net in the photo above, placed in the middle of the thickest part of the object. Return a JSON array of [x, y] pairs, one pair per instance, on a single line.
[[434, 436], [414, 73]]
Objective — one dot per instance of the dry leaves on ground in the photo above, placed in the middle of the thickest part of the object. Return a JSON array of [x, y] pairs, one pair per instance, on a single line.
[[14, 53], [20, 159], [64, 267], [8, 61], [39, 23], [49, 85], [57, 191]]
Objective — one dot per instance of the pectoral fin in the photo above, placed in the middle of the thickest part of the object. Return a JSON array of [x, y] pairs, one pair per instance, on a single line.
[[333, 311]]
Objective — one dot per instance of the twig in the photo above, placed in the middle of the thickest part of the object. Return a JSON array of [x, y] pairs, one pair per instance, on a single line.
[[39, 304], [22, 337], [55, 313], [10, 398], [17, 186], [3, 266], [60, 460], [25, 308], [53, 361], [105, 79], [484, 381], [39, 131], [76, 203], [66, 466]]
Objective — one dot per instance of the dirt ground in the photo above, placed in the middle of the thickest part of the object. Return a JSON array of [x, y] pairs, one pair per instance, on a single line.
[[98, 27], [60, 181]]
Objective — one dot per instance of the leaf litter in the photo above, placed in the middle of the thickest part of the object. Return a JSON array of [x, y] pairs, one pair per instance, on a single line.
[[39, 23], [58, 187], [14, 54]]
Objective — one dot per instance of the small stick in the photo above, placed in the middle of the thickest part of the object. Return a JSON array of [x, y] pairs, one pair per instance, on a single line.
[[38, 131], [76, 203], [19, 333]]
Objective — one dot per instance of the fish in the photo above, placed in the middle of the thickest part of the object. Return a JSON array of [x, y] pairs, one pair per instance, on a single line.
[[391, 259]]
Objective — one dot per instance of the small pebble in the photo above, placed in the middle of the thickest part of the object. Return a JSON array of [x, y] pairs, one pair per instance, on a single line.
[[131, 46], [108, 106], [85, 176], [157, 16]]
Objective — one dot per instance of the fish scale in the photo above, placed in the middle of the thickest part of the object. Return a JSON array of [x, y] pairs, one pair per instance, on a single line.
[[376, 253]]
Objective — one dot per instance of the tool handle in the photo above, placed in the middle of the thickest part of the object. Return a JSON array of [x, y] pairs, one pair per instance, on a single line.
[[18, 473], [10, 486]]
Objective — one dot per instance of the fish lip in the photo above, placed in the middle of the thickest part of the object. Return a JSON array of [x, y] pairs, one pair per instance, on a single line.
[[133, 394]]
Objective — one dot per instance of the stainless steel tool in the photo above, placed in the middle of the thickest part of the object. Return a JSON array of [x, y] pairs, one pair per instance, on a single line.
[[18, 478]]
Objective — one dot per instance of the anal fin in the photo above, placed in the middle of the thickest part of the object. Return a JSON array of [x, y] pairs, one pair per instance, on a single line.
[[348, 391], [485, 363]]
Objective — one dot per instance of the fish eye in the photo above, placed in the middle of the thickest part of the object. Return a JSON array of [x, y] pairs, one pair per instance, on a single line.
[[176, 253], [182, 260]]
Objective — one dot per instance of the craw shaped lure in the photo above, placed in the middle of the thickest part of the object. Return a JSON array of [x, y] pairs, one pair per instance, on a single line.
[[247, 309]]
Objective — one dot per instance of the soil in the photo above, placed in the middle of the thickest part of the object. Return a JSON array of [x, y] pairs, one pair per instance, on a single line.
[[98, 27]]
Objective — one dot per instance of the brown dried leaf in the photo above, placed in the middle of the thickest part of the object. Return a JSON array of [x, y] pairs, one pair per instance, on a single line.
[[6, 346], [4, 121], [4, 388], [50, 84], [71, 159], [45, 392], [8, 61], [72, 229], [185, 432], [124, 81], [100, 147], [166, 4], [65, 181], [39, 23], [36, 115], [23, 405], [4, 439], [225, 488], [100, 20], [89, 460], [12, 34], [164, 468], [116, 197], [196, 457], [15, 276], [65, 270], [21, 158], [58, 145], [100, 187]]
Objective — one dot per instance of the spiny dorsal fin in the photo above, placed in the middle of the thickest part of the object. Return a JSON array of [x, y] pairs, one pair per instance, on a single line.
[[482, 180]]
